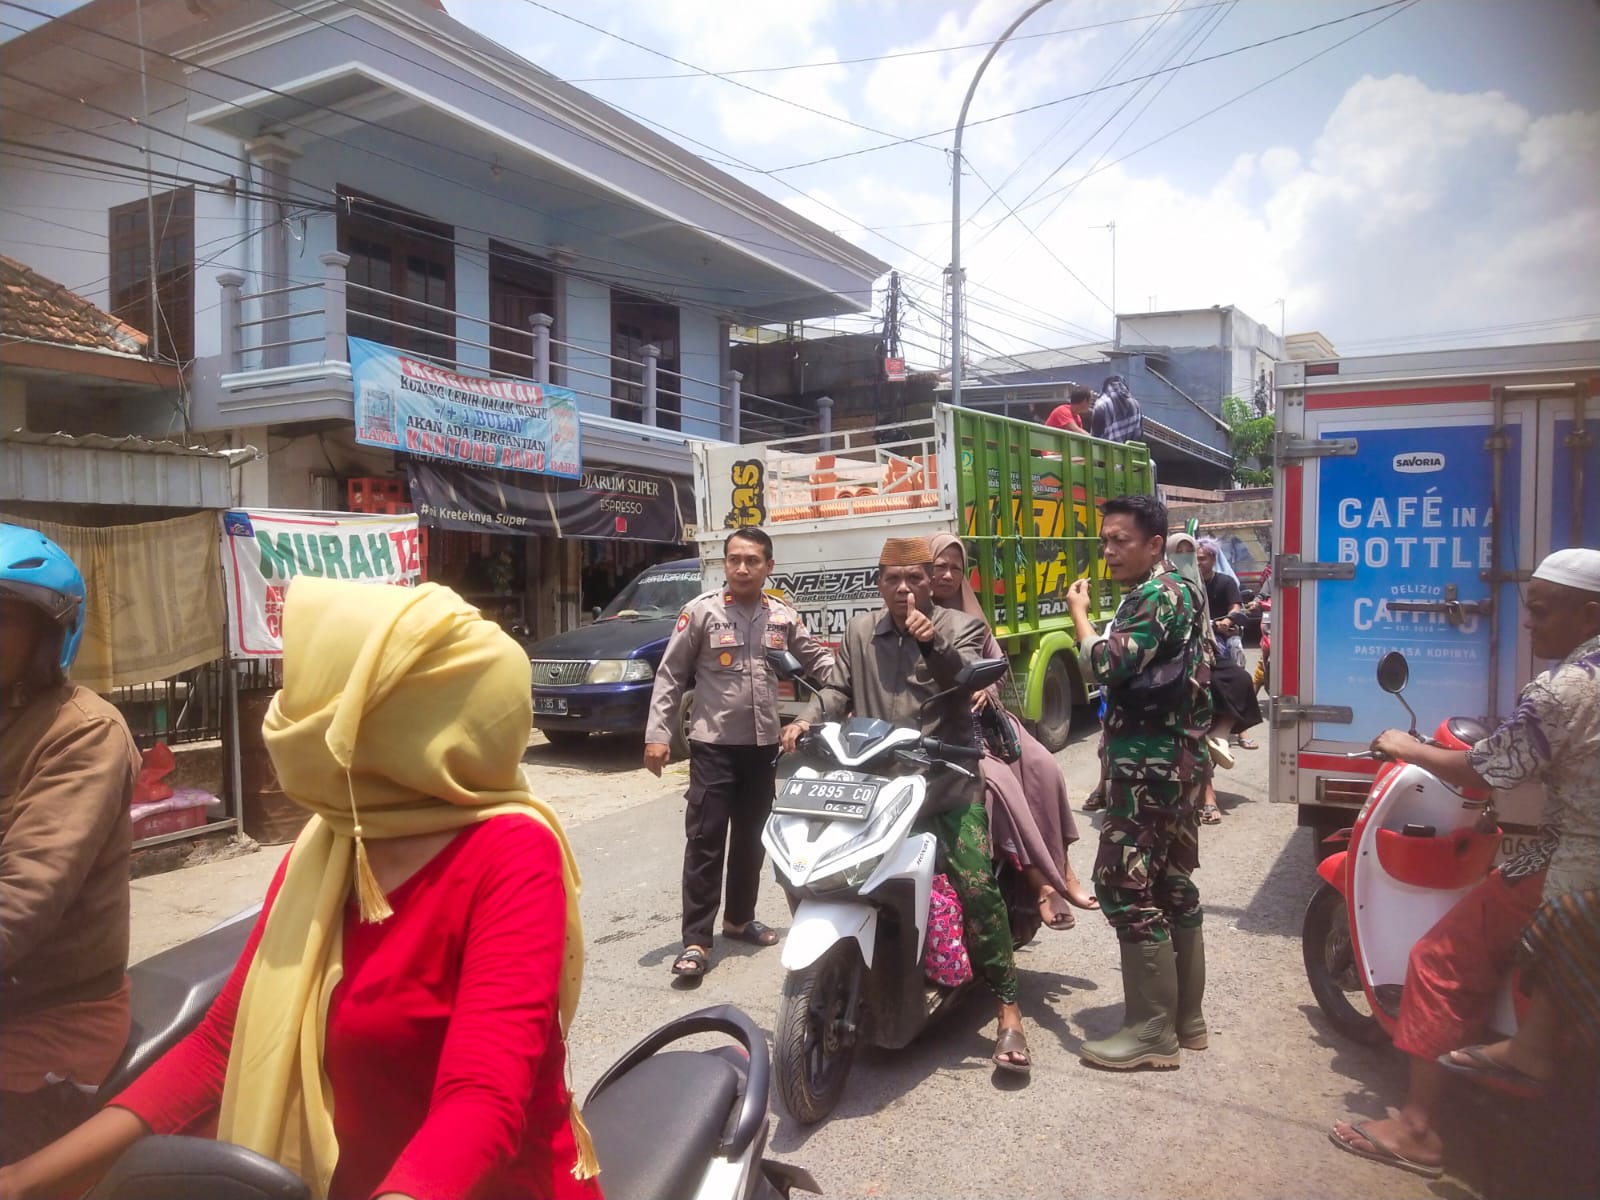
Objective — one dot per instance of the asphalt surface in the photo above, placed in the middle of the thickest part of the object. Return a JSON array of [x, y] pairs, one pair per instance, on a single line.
[[1246, 1118]]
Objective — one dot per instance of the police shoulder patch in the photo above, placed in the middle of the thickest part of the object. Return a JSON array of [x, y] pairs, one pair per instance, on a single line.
[[683, 620]]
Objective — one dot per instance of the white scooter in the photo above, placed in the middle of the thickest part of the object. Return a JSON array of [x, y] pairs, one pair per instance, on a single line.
[[1417, 848], [843, 838]]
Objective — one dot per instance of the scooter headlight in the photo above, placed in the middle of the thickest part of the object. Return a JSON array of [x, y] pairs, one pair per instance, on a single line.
[[848, 879], [876, 828]]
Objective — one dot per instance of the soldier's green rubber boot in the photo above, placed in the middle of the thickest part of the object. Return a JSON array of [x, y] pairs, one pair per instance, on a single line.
[[1190, 947], [1148, 1037]]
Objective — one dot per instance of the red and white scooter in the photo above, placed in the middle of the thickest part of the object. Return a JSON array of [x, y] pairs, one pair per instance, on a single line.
[[1417, 848]]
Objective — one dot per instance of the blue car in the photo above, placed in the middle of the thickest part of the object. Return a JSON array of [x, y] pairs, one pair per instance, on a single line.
[[598, 679]]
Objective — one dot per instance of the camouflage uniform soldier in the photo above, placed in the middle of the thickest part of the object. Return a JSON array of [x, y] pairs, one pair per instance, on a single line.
[[1149, 842]]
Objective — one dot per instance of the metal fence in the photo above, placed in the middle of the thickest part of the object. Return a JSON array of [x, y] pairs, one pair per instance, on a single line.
[[191, 706]]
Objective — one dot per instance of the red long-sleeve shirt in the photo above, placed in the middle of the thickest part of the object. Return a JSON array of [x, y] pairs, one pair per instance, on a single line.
[[443, 1047]]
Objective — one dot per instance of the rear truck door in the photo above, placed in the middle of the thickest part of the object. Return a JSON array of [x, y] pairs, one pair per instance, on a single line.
[[1405, 525], [1569, 437]]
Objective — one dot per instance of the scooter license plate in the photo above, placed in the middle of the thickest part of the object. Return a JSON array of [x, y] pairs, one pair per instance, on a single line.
[[827, 797], [1513, 844]]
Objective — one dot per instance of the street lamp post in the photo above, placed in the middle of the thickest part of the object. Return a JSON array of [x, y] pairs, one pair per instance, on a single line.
[[955, 206]]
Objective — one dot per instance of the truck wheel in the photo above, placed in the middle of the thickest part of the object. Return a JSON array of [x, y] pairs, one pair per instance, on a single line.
[[1055, 709], [814, 1040], [1331, 969], [680, 728]]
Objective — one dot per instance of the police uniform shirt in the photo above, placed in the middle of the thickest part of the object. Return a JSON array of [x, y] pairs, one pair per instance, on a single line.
[[719, 648]]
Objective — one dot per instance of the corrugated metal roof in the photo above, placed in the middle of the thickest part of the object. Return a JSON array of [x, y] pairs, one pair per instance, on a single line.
[[60, 468], [129, 442]]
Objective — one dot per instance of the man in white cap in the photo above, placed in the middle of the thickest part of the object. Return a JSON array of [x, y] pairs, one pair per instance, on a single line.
[[1457, 967]]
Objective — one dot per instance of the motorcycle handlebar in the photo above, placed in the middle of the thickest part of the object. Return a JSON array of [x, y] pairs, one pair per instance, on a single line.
[[951, 749]]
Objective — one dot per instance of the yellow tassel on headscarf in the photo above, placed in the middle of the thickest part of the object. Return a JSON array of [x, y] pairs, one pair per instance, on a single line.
[[403, 712]]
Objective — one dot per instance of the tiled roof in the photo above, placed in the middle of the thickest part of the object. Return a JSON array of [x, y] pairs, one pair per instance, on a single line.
[[41, 310]]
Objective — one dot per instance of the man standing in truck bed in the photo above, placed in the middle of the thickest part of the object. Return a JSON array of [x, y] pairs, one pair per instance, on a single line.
[[720, 649]]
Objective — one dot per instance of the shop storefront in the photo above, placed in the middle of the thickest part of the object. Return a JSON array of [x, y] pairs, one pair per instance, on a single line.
[[525, 517]]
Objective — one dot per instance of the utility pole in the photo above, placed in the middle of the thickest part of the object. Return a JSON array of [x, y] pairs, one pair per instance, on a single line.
[[956, 315], [1112, 227], [1280, 318], [891, 317]]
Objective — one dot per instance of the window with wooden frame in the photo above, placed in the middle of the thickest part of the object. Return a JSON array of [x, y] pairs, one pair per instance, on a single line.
[[637, 322], [171, 324], [402, 276], [520, 286]]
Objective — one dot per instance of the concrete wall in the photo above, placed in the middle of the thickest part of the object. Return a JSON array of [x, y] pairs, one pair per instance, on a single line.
[[1201, 327], [700, 360]]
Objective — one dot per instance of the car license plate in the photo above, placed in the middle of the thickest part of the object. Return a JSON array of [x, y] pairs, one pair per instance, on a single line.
[[827, 797], [550, 706]]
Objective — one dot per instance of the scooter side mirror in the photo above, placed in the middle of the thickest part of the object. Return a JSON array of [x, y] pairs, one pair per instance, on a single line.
[[784, 665], [985, 672], [1393, 672]]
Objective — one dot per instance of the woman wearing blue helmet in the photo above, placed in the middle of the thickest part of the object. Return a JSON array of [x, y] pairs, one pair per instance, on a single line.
[[67, 770]]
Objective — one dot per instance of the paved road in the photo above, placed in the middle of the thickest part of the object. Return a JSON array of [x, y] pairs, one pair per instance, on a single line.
[[1246, 1118]]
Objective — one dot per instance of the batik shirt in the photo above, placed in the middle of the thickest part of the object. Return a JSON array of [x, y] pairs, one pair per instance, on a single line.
[[1158, 616], [1554, 737]]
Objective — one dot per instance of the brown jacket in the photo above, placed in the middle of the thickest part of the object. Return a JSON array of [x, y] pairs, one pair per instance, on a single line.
[[67, 770]]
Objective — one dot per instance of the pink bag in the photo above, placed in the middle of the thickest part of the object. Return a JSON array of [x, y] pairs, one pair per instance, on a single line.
[[945, 960]]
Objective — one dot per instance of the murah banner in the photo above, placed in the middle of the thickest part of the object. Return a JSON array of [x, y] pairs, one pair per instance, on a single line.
[[605, 502], [262, 551], [409, 404]]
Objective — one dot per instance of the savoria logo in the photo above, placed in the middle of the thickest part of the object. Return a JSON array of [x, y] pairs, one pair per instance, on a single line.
[[1418, 462]]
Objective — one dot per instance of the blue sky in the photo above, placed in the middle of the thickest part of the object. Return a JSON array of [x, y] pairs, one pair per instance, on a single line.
[[1434, 174]]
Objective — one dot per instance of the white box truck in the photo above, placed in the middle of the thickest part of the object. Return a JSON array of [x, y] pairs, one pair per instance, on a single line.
[[1415, 494]]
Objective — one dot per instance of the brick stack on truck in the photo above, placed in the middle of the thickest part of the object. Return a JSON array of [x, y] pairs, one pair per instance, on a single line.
[[1415, 495], [1024, 497]]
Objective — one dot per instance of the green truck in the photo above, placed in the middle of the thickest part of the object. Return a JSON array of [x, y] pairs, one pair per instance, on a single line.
[[1024, 497]]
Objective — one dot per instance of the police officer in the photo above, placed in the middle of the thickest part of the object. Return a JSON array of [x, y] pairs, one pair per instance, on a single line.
[[719, 647]]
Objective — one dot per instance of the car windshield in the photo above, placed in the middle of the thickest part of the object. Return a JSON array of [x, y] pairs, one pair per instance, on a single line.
[[656, 593]]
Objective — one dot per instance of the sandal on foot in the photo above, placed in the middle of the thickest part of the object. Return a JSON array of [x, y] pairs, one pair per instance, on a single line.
[[1211, 815], [1088, 903], [1096, 801], [1053, 910], [693, 963], [1011, 1042], [1485, 1072], [755, 933], [1381, 1153], [1245, 743]]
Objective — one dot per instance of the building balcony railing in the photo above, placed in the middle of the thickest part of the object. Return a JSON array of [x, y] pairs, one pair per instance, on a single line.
[[295, 335]]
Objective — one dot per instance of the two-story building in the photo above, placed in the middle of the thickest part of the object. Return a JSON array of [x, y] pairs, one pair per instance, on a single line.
[[300, 174]]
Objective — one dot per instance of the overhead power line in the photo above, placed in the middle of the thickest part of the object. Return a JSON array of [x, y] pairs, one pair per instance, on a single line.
[[874, 58], [722, 75], [1121, 83]]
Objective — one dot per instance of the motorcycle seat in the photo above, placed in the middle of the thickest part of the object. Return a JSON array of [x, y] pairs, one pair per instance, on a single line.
[[170, 994], [657, 1128]]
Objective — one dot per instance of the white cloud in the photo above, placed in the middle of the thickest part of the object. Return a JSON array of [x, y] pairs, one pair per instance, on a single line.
[[1411, 210]]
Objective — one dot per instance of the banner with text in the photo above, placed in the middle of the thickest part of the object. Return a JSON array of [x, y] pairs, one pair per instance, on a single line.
[[605, 502], [262, 551], [1412, 513], [409, 404]]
